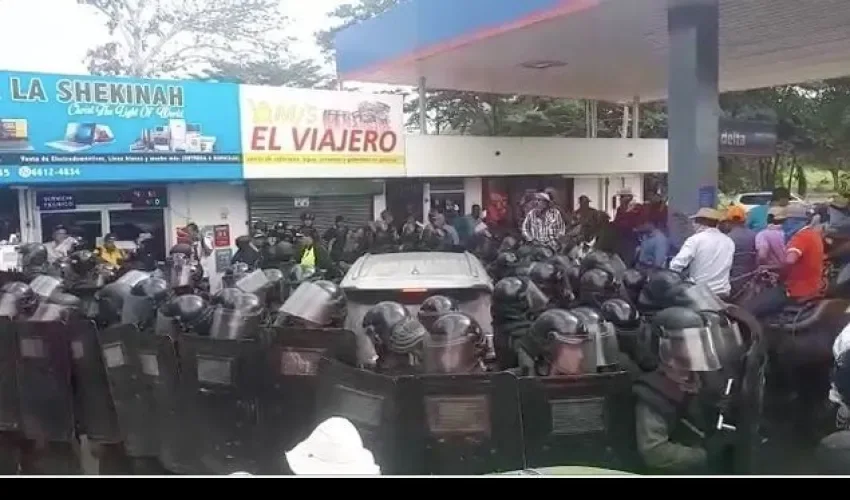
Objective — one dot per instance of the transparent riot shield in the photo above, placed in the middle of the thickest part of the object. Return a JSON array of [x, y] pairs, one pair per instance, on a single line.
[[292, 363], [571, 420], [93, 406], [220, 389], [10, 411], [132, 379], [370, 401], [461, 424], [44, 381]]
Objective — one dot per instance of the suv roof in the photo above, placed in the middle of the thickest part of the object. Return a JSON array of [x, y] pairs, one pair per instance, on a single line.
[[427, 270]]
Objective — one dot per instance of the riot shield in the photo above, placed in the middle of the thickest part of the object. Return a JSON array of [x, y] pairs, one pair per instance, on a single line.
[[160, 365], [461, 424], [10, 411], [572, 421], [44, 381], [132, 377], [93, 406], [370, 401], [220, 389], [289, 401]]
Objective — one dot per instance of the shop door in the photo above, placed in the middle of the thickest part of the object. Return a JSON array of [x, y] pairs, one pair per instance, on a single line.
[[82, 222], [127, 225]]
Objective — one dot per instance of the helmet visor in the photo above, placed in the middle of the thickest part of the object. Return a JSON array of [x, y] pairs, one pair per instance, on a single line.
[[690, 349], [310, 302]]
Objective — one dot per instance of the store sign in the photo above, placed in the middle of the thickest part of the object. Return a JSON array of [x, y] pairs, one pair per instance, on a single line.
[[155, 197], [56, 201], [318, 134], [747, 138], [56, 128], [301, 202], [221, 235], [223, 256]]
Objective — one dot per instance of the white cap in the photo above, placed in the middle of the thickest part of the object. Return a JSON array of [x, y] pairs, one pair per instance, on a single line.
[[334, 448]]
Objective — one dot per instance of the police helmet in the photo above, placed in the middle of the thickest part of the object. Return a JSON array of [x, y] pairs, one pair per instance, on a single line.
[[189, 309], [507, 259], [541, 253], [524, 253], [660, 288], [515, 291], [456, 344], [184, 249], [596, 285], [379, 321], [33, 254], [620, 313], [598, 259], [433, 307], [633, 281], [226, 297], [509, 244]]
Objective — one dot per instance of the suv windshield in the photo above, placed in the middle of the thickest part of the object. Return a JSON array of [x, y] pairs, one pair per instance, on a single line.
[[755, 199]]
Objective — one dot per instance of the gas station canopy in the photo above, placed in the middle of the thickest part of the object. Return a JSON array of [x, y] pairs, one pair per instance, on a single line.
[[611, 50]]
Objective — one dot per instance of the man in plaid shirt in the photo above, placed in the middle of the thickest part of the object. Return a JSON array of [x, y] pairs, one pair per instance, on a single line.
[[543, 225]]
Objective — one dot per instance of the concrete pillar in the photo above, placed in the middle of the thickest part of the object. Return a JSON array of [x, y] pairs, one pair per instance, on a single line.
[[693, 109], [423, 107]]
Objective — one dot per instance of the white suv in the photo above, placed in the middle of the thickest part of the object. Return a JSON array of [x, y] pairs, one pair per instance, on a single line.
[[750, 200]]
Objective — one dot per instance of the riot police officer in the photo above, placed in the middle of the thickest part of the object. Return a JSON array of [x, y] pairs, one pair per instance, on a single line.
[[597, 285], [397, 338], [603, 335], [237, 317], [433, 307], [631, 335], [191, 313], [675, 422], [504, 265], [314, 304], [246, 252], [551, 282], [557, 344], [17, 299], [32, 259], [455, 344], [515, 302], [633, 282]]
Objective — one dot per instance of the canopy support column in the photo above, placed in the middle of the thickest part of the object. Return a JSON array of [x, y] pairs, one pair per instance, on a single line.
[[693, 110], [636, 118], [423, 107]]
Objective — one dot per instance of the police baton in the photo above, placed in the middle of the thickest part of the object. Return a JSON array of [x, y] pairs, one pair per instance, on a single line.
[[721, 425]]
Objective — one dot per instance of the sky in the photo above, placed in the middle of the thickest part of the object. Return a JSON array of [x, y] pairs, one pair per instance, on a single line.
[[53, 35]]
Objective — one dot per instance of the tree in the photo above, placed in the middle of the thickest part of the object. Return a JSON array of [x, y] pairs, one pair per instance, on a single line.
[[154, 38], [272, 71]]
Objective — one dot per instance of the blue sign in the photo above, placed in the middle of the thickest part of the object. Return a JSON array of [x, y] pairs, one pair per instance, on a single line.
[[56, 128], [708, 196]]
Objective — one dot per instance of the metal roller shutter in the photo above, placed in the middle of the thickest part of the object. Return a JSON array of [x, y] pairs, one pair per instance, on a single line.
[[357, 209]]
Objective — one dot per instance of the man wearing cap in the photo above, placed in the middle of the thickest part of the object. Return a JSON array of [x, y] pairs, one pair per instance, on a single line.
[[757, 216], [770, 241], [802, 270], [543, 224], [707, 254], [589, 218], [744, 261]]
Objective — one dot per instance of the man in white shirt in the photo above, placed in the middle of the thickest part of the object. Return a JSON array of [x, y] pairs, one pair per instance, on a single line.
[[707, 254], [60, 246]]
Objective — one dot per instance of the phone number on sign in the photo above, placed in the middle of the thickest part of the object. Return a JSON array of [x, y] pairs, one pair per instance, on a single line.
[[27, 172]]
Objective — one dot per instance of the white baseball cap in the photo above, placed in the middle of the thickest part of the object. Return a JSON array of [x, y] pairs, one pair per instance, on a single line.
[[334, 448]]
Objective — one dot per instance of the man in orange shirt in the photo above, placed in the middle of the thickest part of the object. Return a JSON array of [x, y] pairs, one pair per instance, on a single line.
[[803, 271]]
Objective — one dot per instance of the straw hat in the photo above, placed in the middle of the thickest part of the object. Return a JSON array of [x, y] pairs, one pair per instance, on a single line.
[[334, 448], [707, 213]]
